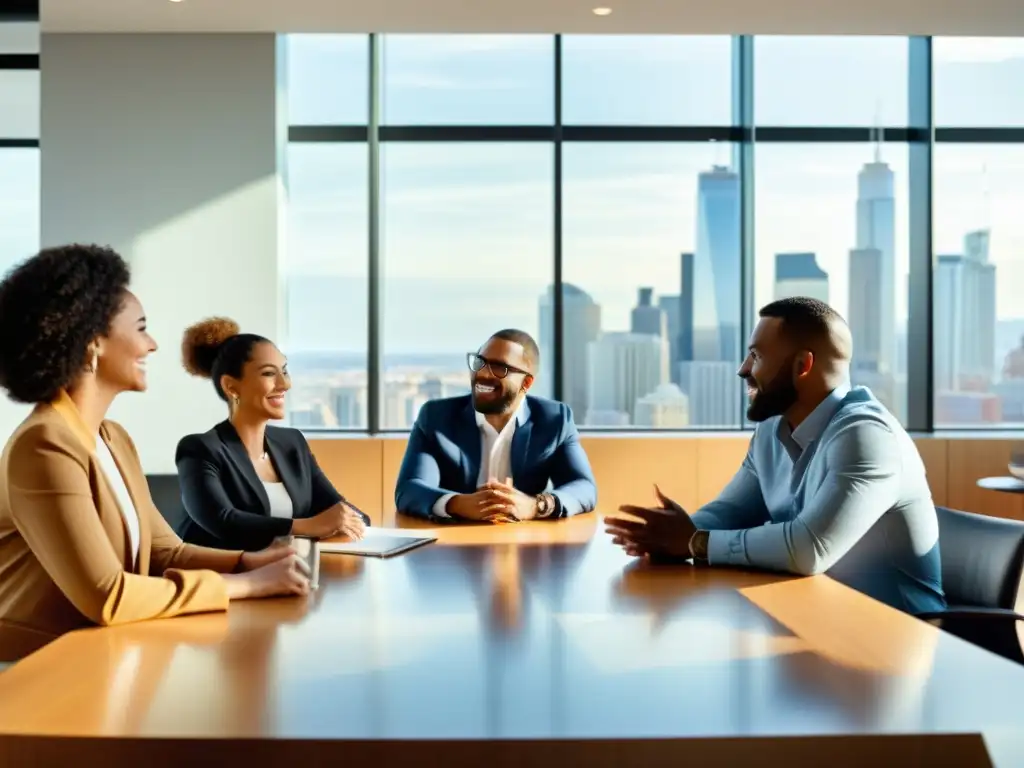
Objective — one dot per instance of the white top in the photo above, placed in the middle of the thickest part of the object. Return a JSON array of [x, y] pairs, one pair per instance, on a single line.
[[124, 499], [495, 454], [280, 501]]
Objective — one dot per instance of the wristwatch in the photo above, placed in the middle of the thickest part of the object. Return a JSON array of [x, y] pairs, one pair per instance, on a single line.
[[545, 505], [699, 547]]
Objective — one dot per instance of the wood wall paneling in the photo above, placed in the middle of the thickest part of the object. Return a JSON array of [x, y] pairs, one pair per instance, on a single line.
[[971, 459], [354, 466]]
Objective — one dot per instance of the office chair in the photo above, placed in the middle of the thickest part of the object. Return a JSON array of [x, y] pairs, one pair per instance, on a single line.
[[166, 495], [983, 578]]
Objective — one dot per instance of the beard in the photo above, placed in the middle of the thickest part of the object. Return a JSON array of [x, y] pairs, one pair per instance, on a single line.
[[774, 399], [498, 402]]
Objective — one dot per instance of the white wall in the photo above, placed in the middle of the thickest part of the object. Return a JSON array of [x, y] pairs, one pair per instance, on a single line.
[[164, 147]]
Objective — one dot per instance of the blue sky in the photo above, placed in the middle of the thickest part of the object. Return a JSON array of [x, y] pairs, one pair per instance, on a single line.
[[467, 229], [470, 226]]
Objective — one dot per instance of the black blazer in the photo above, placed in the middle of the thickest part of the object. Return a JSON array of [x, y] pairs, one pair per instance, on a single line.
[[226, 502]]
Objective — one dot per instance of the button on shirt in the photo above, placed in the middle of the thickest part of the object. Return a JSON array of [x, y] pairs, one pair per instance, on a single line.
[[844, 493], [495, 454]]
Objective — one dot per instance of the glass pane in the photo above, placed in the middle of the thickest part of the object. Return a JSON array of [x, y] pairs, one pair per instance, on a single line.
[[19, 37], [646, 80], [325, 273], [328, 79], [978, 311], [830, 81], [652, 285], [19, 104], [978, 81], [467, 247], [468, 79], [19, 206], [831, 223]]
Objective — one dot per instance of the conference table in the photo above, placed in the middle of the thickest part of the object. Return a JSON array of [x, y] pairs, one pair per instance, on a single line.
[[529, 644]]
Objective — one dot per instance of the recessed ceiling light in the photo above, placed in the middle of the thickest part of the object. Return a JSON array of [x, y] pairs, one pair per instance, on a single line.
[[175, 1], [597, 11]]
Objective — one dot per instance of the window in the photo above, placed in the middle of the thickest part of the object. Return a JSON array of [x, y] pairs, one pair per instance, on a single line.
[[328, 79], [978, 81], [325, 274], [468, 79], [19, 205], [646, 80], [978, 312], [831, 223], [19, 142], [651, 298], [834, 81], [467, 250]]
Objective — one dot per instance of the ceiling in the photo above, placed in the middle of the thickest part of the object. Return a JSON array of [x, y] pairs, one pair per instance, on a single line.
[[948, 17]]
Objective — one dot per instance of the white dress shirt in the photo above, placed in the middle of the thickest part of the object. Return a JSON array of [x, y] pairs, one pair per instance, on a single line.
[[495, 454], [124, 499]]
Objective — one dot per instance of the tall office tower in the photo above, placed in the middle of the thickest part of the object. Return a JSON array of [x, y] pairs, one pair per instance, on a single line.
[[714, 391], [685, 334], [670, 306], [965, 318], [647, 318], [862, 312], [664, 408], [623, 368], [716, 271], [349, 403], [581, 324], [798, 274], [875, 316]]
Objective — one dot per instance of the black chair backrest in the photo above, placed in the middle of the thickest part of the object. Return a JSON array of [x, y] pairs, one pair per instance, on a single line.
[[982, 559], [167, 496]]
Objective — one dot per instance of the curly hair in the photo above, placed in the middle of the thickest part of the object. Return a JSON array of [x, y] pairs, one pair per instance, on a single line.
[[52, 307], [213, 348]]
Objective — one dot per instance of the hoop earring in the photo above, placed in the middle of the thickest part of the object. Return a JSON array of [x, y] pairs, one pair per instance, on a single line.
[[94, 362]]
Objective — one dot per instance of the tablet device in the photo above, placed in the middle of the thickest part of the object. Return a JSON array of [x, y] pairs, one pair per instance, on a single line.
[[378, 542]]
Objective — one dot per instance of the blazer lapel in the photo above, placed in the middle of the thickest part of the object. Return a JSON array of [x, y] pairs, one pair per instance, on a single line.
[[521, 443], [284, 471], [240, 458], [469, 442]]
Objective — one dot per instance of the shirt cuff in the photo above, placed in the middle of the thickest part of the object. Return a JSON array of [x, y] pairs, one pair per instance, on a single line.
[[720, 546], [439, 506]]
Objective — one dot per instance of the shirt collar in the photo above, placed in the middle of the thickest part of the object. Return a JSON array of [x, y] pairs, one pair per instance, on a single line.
[[810, 429], [519, 418]]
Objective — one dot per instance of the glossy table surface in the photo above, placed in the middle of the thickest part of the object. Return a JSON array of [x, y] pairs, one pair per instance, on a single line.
[[540, 634]]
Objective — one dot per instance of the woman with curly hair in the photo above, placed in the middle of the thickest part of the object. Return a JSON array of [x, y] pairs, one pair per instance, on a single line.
[[244, 483], [81, 542]]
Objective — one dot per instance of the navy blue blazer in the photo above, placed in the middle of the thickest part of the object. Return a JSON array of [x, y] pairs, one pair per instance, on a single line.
[[443, 456]]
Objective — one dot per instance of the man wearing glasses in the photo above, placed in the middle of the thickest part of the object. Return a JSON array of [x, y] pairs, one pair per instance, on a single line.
[[497, 454]]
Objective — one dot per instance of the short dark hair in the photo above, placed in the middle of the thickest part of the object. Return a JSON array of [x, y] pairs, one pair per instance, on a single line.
[[52, 307], [214, 348], [804, 320], [523, 339]]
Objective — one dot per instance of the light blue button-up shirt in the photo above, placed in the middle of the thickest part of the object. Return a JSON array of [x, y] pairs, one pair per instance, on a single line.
[[845, 493]]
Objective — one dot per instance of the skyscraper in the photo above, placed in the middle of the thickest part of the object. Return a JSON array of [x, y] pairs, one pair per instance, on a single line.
[[670, 306], [624, 367], [714, 391], [581, 324], [965, 318], [664, 408], [872, 309], [798, 274], [647, 318], [686, 308], [716, 294]]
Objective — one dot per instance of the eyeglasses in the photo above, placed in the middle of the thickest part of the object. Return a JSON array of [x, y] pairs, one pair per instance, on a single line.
[[500, 370]]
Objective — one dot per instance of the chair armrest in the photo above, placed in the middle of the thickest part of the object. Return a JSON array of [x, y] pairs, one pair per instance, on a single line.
[[971, 612]]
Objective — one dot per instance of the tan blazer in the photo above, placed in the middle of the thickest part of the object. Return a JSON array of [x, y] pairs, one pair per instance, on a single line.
[[65, 552]]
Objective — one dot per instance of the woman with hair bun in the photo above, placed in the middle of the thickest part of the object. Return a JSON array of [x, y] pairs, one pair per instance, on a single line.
[[245, 483], [81, 542]]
